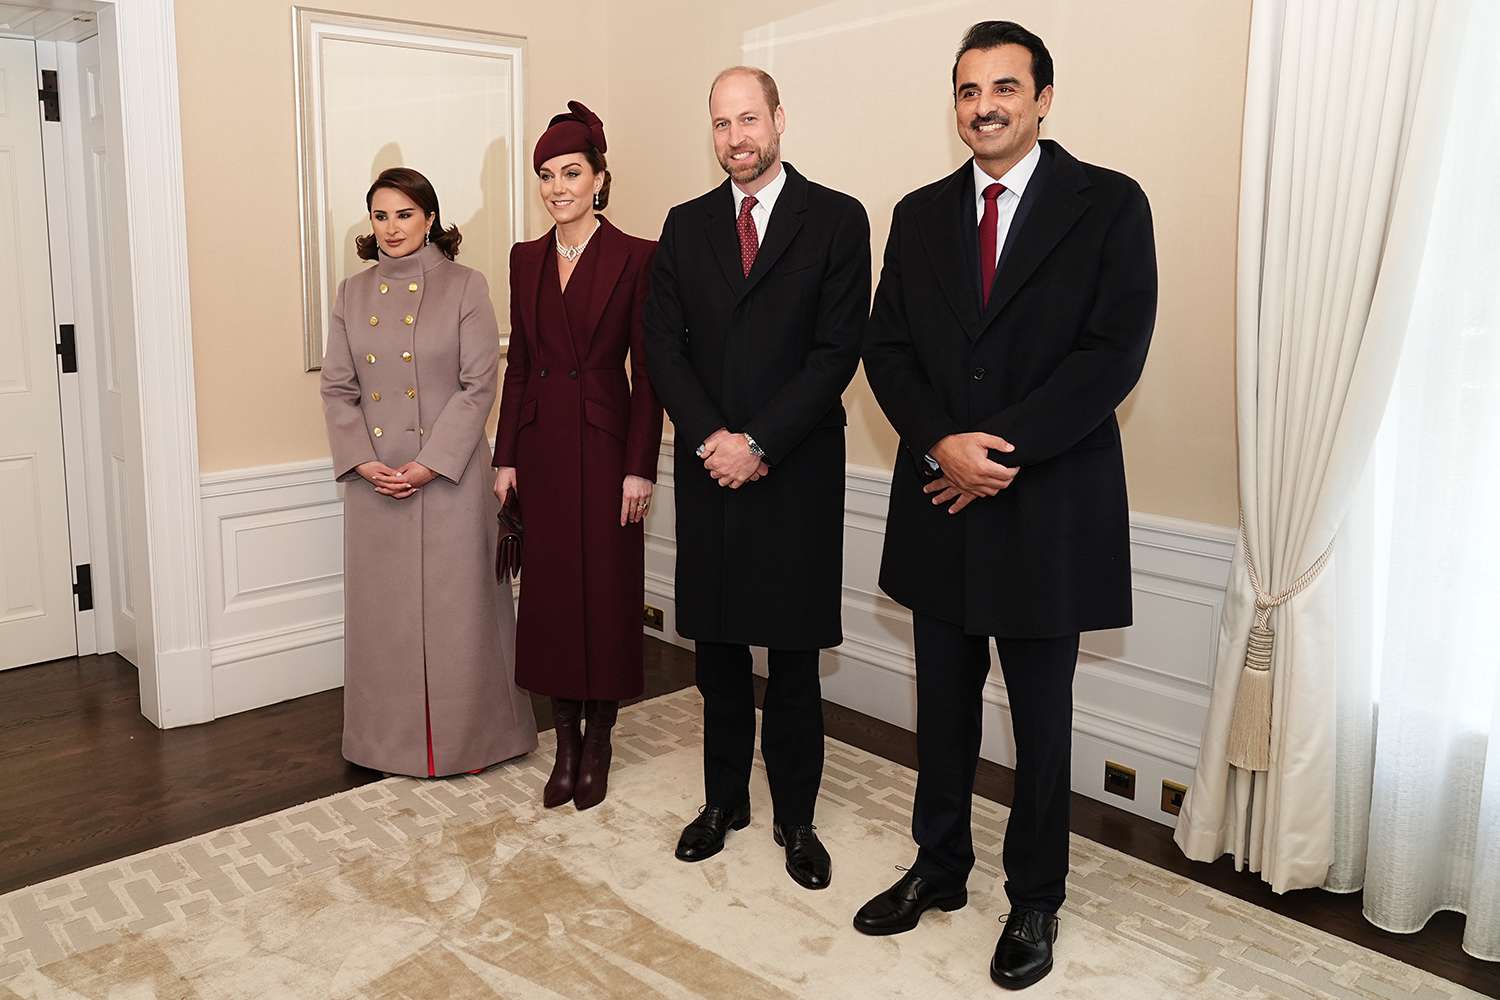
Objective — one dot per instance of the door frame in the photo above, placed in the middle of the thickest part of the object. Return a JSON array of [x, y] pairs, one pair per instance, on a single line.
[[138, 51]]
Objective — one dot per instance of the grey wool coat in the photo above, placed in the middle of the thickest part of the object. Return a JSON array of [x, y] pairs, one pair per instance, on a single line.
[[410, 374]]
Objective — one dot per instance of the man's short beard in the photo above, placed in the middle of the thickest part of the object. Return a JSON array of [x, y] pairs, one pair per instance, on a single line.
[[762, 162]]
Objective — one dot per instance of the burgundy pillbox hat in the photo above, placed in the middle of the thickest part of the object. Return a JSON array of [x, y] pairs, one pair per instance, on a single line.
[[573, 132]]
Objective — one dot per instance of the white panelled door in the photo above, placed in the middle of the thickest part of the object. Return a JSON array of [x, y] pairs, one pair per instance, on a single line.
[[114, 358], [36, 574]]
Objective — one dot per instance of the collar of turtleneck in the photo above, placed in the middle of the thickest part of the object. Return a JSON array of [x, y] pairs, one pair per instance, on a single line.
[[411, 265]]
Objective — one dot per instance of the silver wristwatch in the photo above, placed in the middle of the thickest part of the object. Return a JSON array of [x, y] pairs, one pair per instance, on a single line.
[[755, 449]]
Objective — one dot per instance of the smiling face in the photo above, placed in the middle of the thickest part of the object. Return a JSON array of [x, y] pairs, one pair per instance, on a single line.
[[747, 133], [996, 107], [399, 223], [567, 185]]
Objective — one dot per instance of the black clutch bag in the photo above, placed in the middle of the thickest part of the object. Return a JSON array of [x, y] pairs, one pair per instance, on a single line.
[[508, 547]]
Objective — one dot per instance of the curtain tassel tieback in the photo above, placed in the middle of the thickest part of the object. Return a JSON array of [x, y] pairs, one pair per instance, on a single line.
[[1250, 725]]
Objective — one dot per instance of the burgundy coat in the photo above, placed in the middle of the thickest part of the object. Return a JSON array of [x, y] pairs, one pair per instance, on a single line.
[[573, 427]]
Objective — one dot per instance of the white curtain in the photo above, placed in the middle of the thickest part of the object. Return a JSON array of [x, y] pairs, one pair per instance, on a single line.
[[1346, 104], [1417, 809]]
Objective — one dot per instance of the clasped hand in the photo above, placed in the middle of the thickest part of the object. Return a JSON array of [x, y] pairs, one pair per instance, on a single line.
[[729, 460], [396, 483], [967, 470]]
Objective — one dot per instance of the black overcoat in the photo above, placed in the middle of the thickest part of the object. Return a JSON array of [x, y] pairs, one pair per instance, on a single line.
[[1061, 344], [768, 355]]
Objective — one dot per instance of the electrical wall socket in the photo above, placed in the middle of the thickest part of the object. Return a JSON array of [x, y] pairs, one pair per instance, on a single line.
[[1171, 797], [1119, 779], [653, 619]]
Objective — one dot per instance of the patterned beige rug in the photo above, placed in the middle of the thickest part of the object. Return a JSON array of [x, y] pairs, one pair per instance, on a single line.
[[467, 888]]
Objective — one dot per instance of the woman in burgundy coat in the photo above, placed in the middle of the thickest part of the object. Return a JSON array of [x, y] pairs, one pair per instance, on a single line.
[[578, 443]]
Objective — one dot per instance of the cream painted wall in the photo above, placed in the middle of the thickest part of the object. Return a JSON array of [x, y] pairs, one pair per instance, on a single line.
[[869, 109], [866, 87], [255, 404]]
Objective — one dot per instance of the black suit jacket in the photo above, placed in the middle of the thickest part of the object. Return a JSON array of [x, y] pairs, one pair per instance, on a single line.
[[1061, 344], [768, 355]]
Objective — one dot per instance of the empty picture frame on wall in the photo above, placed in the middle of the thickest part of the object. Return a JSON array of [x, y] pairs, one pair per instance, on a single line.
[[374, 93]]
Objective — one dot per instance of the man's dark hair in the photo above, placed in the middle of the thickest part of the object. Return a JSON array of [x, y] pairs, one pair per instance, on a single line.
[[993, 34]]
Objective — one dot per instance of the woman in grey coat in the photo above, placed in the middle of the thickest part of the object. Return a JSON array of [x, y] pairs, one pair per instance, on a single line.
[[409, 379]]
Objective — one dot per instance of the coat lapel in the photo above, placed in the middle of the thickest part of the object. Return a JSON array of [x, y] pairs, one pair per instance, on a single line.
[[948, 232], [722, 236], [786, 223], [1055, 207], [529, 261], [610, 264]]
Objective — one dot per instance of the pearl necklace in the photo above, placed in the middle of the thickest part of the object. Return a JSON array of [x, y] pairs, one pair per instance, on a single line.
[[573, 253]]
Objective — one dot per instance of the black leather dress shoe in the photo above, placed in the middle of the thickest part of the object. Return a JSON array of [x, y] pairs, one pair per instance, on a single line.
[[807, 862], [704, 836], [1023, 955], [900, 907]]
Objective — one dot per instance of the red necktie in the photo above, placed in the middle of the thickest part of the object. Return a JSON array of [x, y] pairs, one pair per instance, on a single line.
[[989, 226], [749, 242]]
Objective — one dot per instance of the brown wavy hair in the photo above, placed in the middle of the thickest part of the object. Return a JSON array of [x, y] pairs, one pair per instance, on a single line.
[[419, 190]]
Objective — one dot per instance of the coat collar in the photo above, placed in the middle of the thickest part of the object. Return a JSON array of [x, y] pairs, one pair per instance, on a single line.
[[412, 265], [949, 231], [613, 250], [786, 222]]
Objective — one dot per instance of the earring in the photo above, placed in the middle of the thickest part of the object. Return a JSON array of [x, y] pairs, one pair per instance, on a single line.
[[427, 237], [597, 206]]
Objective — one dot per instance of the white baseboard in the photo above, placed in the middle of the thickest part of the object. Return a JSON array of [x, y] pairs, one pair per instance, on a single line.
[[275, 593]]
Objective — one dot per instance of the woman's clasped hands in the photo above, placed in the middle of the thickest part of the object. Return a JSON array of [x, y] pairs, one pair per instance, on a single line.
[[396, 483]]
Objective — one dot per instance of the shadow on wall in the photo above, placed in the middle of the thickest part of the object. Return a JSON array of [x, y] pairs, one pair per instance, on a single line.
[[486, 246]]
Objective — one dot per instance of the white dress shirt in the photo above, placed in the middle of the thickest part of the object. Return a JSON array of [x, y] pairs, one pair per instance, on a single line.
[[765, 201], [1015, 181]]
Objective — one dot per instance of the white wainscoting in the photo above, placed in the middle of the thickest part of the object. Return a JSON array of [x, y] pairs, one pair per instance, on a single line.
[[274, 567], [274, 541]]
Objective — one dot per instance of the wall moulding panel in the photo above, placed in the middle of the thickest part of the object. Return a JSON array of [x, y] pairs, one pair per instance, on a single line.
[[276, 603]]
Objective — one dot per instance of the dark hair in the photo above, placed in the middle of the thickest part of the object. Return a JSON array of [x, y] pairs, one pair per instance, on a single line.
[[993, 34], [419, 190]]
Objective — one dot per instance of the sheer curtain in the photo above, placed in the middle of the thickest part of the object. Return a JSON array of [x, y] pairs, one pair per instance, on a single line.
[[1417, 779]]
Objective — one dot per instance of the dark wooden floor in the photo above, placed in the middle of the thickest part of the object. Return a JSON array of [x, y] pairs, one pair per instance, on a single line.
[[85, 779]]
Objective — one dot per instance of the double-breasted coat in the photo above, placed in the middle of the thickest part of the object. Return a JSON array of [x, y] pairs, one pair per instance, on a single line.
[[411, 373], [574, 427], [1062, 342], [767, 355]]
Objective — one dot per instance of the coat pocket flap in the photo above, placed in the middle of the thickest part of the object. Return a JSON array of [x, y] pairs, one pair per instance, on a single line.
[[605, 417], [528, 413]]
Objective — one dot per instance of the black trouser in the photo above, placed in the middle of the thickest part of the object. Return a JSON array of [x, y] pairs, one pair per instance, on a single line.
[[951, 671], [791, 739]]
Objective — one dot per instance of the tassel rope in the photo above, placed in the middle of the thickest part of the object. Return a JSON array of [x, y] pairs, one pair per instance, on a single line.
[[1250, 725]]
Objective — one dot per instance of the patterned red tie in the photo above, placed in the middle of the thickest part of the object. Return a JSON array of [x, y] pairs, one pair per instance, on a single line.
[[989, 226], [749, 241]]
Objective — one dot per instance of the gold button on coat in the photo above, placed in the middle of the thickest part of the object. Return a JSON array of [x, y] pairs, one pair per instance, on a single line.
[[374, 320], [412, 287], [406, 356], [411, 394], [370, 358], [378, 432], [410, 319], [375, 396], [384, 288]]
